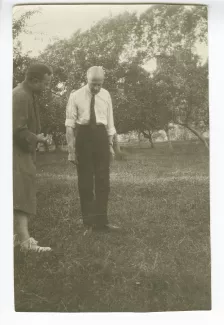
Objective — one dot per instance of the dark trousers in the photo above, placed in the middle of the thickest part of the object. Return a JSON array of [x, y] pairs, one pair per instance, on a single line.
[[93, 157]]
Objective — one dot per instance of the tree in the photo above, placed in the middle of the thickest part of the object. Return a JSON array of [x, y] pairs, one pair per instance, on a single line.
[[149, 103], [142, 101], [188, 92], [169, 28], [52, 114], [20, 60], [100, 45], [171, 34], [134, 107]]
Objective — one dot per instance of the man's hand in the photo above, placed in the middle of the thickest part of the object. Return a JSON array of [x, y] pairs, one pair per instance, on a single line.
[[112, 154], [73, 159], [41, 138], [119, 154]]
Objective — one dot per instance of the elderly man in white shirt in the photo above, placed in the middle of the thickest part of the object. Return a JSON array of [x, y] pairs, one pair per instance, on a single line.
[[90, 131]]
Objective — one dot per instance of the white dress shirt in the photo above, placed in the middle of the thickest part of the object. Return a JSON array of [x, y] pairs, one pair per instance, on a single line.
[[78, 109]]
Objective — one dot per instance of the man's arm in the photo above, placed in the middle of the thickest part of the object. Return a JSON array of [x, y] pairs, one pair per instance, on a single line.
[[116, 145], [25, 139], [110, 121], [71, 116], [111, 139], [110, 125], [70, 137]]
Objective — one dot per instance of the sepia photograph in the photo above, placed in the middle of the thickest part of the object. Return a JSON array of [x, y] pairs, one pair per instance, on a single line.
[[111, 202]]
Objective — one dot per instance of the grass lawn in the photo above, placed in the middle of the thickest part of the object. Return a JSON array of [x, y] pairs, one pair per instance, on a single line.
[[160, 261]]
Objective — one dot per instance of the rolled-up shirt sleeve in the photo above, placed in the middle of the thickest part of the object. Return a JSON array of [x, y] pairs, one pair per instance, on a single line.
[[110, 118], [71, 111]]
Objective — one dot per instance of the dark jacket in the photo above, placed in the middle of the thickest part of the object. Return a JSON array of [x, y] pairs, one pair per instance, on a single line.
[[26, 124]]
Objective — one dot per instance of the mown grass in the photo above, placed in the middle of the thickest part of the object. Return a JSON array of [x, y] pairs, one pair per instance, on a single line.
[[160, 261]]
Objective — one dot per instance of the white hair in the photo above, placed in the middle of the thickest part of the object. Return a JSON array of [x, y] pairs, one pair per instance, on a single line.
[[95, 71]]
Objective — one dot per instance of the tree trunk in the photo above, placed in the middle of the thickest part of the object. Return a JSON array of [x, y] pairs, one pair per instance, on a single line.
[[150, 140], [55, 138], [195, 132], [46, 147], [139, 139], [149, 136], [168, 139]]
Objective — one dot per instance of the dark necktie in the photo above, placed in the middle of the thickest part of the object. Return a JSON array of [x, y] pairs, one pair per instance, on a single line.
[[92, 120]]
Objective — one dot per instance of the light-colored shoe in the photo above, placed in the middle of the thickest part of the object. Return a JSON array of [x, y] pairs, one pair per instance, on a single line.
[[30, 245]]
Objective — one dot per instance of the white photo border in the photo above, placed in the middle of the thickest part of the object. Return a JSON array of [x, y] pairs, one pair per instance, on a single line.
[[216, 84]]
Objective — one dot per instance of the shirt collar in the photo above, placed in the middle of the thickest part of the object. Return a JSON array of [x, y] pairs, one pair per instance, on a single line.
[[89, 91]]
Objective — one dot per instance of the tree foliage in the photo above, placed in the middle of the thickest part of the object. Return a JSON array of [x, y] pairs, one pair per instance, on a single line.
[[20, 60], [124, 44], [52, 114]]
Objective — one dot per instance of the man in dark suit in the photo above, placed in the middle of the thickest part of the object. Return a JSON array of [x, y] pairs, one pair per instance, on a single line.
[[26, 136]]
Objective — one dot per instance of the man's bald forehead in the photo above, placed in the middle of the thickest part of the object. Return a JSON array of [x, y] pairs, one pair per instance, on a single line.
[[95, 73]]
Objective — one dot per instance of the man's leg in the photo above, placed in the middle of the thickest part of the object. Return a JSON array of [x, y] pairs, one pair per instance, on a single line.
[[85, 185], [21, 225], [101, 162], [22, 231], [85, 174]]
